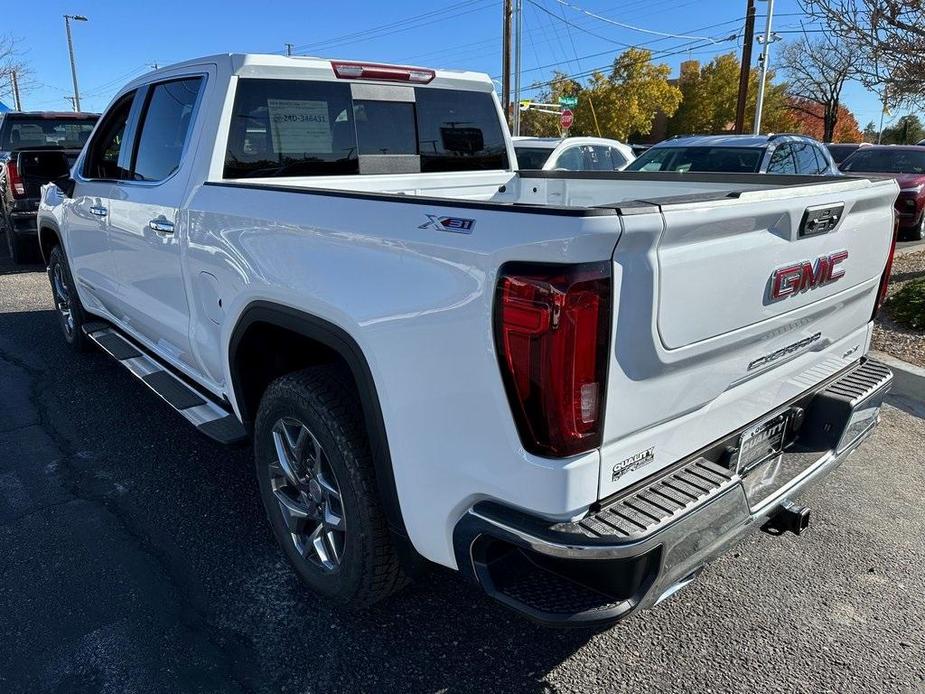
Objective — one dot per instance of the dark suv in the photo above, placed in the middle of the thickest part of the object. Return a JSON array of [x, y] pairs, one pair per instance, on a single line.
[[34, 148]]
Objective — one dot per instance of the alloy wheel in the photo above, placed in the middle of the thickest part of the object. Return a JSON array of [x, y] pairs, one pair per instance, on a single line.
[[308, 494], [63, 300]]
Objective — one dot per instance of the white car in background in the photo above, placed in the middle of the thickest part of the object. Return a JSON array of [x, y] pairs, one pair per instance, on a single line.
[[572, 154]]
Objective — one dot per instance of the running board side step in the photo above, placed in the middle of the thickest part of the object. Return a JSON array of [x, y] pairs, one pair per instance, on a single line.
[[209, 416]]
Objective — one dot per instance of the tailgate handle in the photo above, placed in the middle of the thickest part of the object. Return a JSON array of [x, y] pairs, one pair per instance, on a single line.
[[821, 219]]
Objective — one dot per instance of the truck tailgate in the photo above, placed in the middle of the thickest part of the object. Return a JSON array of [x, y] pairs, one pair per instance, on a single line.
[[703, 346], [716, 263]]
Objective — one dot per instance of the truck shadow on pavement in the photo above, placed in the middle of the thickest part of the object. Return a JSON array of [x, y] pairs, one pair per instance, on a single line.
[[139, 557]]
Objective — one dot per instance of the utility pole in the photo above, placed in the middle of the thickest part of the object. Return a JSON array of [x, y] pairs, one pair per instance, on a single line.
[[746, 68], [506, 60], [70, 50], [518, 31], [288, 49], [17, 104], [765, 55], [71, 99], [882, 114]]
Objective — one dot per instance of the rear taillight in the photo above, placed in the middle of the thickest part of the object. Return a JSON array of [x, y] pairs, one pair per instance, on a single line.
[[374, 71], [12, 177], [552, 330], [885, 277]]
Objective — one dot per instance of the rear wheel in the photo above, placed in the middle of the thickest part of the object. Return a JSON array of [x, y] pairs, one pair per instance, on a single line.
[[316, 481], [71, 315]]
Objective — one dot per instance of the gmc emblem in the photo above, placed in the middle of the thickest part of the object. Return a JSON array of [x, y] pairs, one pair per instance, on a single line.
[[800, 277]]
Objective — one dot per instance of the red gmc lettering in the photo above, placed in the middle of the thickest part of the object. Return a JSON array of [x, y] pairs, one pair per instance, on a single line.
[[801, 277]]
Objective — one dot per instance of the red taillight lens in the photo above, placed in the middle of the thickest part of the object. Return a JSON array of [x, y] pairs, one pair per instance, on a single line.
[[552, 329], [373, 71], [885, 277], [12, 177]]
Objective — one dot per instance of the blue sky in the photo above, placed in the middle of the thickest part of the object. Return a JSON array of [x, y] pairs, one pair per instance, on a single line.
[[123, 38]]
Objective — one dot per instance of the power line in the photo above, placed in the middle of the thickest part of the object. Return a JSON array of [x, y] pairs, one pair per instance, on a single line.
[[587, 73], [631, 27], [644, 44], [400, 25]]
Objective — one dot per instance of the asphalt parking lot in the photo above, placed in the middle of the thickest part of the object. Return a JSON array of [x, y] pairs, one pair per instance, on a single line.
[[135, 557]]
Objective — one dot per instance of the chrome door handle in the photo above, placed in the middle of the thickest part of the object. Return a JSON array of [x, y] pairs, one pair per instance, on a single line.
[[98, 211], [161, 226]]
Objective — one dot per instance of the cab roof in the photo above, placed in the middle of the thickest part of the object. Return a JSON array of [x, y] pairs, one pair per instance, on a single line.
[[729, 140], [311, 67]]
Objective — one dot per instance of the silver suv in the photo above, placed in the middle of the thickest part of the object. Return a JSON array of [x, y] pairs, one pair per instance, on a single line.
[[773, 154]]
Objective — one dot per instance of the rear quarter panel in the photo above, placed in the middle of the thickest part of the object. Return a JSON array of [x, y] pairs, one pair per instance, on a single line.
[[418, 302]]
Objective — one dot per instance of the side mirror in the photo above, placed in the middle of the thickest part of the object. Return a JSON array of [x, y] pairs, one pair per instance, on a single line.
[[65, 184]]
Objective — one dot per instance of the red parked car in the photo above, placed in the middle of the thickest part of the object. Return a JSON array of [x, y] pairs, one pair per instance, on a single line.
[[907, 165]]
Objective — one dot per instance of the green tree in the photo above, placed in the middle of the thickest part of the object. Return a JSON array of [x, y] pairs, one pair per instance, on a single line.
[[539, 124], [626, 100], [907, 130], [710, 93], [870, 132]]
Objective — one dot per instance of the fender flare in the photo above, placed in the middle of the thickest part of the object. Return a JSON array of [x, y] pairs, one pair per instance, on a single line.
[[338, 340], [48, 225]]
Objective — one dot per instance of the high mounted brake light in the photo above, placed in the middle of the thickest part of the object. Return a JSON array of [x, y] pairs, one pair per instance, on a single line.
[[373, 71], [17, 187], [552, 330]]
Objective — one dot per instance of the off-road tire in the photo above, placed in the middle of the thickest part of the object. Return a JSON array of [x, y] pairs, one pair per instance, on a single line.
[[73, 334], [325, 401]]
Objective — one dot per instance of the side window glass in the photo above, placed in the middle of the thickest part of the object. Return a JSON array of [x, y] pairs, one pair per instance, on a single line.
[[601, 158], [107, 152], [806, 158], [822, 162], [569, 160], [617, 159], [165, 128], [782, 161]]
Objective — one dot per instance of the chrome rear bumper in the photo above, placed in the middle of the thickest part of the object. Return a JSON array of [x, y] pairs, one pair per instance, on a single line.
[[643, 546]]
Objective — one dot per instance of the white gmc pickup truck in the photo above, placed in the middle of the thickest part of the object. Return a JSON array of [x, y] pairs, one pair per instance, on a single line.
[[574, 388]]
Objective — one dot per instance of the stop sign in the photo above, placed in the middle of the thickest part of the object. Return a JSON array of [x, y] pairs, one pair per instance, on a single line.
[[566, 118]]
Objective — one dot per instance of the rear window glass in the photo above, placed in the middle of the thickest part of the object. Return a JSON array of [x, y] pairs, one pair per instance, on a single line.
[[459, 131], [308, 128], [291, 128], [29, 133], [712, 159], [886, 161], [385, 127], [531, 157]]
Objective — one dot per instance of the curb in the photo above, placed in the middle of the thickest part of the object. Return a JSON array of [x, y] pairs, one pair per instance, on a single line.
[[908, 379]]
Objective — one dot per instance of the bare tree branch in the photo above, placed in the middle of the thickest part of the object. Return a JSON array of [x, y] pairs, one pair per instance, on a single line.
[[817, 71], [886, 39], [11, 60]]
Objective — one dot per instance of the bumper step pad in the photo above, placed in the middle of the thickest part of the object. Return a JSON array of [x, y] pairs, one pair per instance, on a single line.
[[212, 418], [656, 504]]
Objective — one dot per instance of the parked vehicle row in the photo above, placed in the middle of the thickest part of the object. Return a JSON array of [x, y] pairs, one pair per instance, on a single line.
[[34, 148], [575, 388], [40, 146]]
